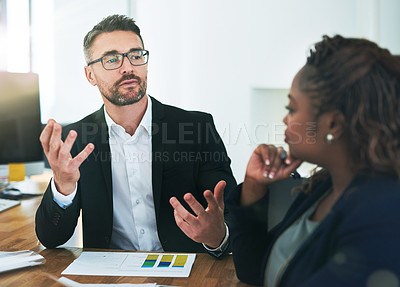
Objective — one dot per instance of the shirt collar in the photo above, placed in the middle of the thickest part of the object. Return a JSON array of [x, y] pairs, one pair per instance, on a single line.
[[145, 122]]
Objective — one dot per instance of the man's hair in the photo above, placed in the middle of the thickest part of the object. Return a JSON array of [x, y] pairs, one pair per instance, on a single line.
[[362, 81], [109, 24]]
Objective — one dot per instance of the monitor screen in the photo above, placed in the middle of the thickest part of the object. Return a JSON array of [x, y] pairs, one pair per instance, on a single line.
[[20, 124]]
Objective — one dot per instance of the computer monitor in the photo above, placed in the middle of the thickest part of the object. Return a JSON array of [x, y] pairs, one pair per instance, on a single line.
[[20, 124]]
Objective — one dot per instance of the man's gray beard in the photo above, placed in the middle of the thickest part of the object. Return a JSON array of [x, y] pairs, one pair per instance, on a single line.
[[120, 100]]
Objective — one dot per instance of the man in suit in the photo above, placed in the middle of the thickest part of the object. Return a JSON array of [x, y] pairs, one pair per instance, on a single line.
[[140, 171]]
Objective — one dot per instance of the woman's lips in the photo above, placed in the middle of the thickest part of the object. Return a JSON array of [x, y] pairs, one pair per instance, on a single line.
[[286, 138]]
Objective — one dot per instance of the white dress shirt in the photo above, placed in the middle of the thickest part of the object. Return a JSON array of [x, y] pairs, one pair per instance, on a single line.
[[134, 220]]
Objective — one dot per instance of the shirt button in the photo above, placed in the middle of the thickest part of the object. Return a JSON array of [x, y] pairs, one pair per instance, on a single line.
[[141, 231], [137, 201]]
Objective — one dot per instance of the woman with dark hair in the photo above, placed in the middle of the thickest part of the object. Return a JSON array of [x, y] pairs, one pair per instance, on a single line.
[[343, 229]]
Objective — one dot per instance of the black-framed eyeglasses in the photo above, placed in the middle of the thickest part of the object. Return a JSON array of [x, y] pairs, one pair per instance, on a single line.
[[115, 61]]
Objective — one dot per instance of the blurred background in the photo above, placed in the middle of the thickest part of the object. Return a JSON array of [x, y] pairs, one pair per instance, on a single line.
[[232, 58]]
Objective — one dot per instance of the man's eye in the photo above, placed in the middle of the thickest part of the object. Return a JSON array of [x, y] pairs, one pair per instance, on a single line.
[[111, 60], [135, 57]]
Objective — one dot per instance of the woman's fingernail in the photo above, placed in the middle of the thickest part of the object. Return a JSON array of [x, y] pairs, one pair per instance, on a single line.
[[267, 162], [265, 174], [271, 175]]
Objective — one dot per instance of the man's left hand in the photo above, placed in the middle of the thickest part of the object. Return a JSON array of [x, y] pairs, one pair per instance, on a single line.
[[207, 225]]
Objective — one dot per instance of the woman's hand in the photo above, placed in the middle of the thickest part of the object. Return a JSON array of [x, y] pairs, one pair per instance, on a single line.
[[266, 165]]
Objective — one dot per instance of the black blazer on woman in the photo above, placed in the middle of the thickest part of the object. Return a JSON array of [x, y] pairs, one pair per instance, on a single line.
[[356, 244]]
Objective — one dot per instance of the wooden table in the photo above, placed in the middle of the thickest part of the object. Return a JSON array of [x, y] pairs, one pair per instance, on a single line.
[[17, 232]]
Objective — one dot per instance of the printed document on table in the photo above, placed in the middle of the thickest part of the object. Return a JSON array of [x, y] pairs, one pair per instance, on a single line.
[[19, 259], [132, 264], [70, 283]]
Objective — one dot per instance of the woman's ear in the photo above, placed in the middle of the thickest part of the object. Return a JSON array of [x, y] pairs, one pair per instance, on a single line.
[[337, 124], [90, 76]]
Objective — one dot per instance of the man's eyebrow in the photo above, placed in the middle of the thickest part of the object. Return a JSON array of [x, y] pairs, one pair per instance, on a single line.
[[113, 52]]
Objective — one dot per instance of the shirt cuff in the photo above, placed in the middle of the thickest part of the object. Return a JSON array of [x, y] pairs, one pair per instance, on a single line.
[[62, 200], [221, 248]]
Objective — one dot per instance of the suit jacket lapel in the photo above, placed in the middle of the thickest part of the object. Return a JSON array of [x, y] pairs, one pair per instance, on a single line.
[[103, 157], [306, 204], [157, 151]]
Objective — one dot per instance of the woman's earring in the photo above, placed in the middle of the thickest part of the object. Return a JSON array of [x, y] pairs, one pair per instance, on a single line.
[[329, 138]]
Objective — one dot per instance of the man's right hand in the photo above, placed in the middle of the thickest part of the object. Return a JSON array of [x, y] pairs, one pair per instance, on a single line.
[[58, 153]]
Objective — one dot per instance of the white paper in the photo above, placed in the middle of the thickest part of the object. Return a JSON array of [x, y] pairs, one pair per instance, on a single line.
[[132, 264], [27, 186], [70, 283], [19, 259]]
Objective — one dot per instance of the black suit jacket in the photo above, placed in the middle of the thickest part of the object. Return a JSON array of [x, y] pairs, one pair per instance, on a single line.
[[188, 155]]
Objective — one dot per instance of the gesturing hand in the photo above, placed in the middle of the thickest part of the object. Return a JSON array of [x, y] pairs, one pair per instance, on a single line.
[[58, 153], [207, 226]]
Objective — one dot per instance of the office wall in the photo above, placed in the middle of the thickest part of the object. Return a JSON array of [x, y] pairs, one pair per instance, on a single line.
[[58, 31], [218, 56], [225, 56], [3, 33]]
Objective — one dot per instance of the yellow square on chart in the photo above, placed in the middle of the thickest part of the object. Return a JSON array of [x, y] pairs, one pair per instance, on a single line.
[[16, 171]]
